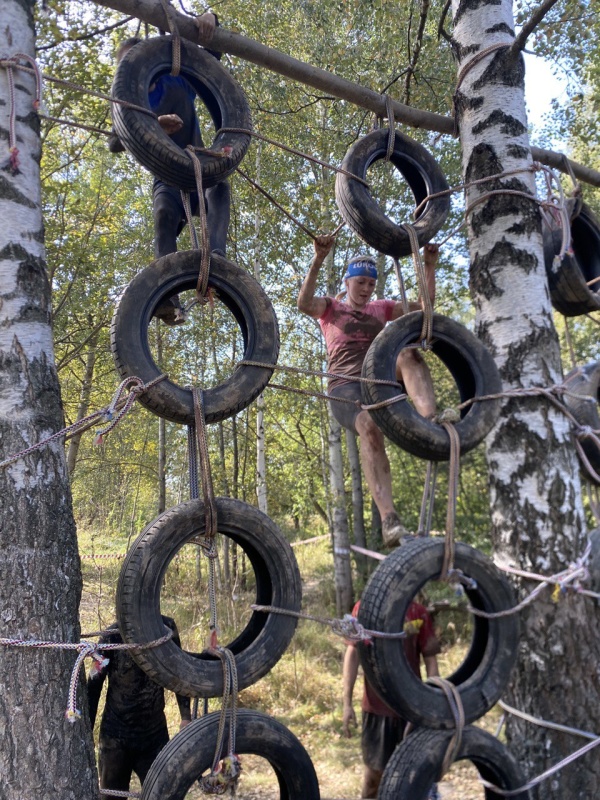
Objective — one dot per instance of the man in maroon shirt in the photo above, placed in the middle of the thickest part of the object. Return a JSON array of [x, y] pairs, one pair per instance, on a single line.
[[382, 728], [349, 327]]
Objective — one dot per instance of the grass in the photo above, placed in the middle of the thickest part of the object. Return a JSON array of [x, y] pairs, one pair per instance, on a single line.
[[303, 691]]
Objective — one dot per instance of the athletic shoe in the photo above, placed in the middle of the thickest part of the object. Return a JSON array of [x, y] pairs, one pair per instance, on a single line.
[[392, 530], [170, 312]]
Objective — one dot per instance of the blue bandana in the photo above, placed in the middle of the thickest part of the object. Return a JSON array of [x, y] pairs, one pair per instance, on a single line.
[[361, 266]]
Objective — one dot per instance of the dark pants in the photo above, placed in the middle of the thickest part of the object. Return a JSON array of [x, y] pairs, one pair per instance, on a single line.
[[380, 736], [119, 758], [169, 216]]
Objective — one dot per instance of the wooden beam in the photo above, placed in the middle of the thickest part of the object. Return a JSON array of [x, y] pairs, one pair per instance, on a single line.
[[151, 11]]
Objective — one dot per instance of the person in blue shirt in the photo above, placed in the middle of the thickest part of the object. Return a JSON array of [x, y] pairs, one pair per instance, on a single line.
[[172, 99]]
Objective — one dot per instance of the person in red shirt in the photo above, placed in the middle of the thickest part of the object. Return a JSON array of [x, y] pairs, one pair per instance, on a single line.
[[349, 327], [382, 728]]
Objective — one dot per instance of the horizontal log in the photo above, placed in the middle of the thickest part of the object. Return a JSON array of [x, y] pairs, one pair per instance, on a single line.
[[151, 11]]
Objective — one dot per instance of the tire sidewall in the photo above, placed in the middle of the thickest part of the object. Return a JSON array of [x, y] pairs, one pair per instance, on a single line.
[[385, 601], [246, 300], [462, 351], [191, 752], [266, 636]]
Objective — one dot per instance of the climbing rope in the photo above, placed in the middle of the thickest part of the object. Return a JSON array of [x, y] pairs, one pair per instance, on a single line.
[[113, 413], [448, 419], [202, 284], [176, 38], [13, 165], [427, 329], [348, 627], [454, 701]]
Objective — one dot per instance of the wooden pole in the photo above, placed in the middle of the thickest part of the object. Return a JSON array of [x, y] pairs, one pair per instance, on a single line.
[[151, 11]]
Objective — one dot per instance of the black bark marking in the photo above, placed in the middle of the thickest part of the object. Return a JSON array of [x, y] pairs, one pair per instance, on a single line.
[[517, 151], [524, 210], [501, 27], [504, 69], [540, 340], [31, 284], [509, 125], [485, 268], [483, 161], [9, 192]]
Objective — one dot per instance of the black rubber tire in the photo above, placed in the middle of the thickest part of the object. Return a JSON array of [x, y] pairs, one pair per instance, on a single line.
[[242, 295], [569, 292], [266, 636], [470, 364], [415, 764], [142, 135], [585, 383], [363, 214], [484, 673], [190, 753]]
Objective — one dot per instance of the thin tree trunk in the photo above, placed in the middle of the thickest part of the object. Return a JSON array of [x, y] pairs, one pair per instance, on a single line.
[[342, 568], [537, 517], [84, 398], [261, 460], [358, 506], [42, 754], [162, 435]]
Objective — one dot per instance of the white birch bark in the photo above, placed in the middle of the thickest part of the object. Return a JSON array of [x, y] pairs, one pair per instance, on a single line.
[[536, 509], [261, 460], [42, 755]]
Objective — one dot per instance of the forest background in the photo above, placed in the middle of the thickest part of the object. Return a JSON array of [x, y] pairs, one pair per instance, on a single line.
[[97, 211]]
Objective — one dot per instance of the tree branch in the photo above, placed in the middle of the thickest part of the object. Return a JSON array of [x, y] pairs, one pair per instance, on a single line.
[[519, 43]]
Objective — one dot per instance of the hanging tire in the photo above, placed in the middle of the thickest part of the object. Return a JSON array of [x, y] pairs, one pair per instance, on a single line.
[[416, 763], [470, 364], [260, 644], [362, 212], [190, 754], [141, 133], [583, 385], [484, 673], [568, 280], [239, 292]]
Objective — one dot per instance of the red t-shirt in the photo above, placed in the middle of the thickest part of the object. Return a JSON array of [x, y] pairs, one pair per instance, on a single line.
[[423, 643], [348, 334]]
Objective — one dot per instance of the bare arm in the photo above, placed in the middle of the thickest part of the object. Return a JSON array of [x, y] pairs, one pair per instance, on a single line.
[[307, 302], [349, 675], [431, 254], [431, 666]]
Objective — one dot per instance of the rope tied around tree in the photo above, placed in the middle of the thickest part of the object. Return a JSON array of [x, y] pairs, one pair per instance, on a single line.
[[85, 649], [12, 164], [465, 69]]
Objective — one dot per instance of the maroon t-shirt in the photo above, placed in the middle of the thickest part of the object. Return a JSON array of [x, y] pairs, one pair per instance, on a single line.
[[423, 643], [348, 334]]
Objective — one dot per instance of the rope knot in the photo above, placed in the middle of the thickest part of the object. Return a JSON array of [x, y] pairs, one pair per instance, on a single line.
[[224, 777], [450, 415], [351, 629]]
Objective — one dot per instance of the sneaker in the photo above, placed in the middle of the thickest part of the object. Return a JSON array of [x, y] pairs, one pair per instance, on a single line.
[[392, 530], [170, 312]]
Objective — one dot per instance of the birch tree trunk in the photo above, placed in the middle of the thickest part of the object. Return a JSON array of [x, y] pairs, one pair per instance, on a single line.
[[261, 460], [342, 569], [42, 754], [358, 505], [537, 517]]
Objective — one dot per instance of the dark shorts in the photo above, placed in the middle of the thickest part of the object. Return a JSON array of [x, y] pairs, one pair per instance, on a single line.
[[346, 413], [380, 735], [119, 758]]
